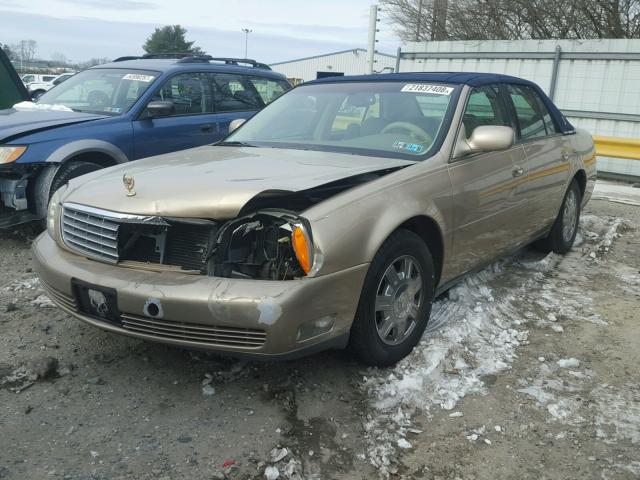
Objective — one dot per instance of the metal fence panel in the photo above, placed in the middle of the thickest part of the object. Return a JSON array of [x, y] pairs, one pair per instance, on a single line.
[[597, 82]]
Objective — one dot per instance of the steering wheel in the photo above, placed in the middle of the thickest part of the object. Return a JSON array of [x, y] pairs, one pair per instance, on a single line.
[[97, 99], [414, 130]]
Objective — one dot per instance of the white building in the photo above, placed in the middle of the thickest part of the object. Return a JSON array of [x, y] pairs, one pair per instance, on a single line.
[[345, 62]]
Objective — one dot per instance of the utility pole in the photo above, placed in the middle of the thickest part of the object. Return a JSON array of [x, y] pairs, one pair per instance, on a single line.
[[246, 31], [373, 28]]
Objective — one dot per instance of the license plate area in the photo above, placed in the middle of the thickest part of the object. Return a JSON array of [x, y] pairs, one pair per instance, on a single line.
[[98, 302]]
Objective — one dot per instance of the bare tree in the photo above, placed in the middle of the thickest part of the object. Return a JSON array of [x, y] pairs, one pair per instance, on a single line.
[[422, 20], [27, 50]]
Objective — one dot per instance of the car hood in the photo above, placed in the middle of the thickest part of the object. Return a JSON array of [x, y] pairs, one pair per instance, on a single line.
[[15, 123], [216, 182]]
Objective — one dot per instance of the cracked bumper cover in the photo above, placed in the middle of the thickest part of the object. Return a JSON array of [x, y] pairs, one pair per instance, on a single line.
[[279, 308]]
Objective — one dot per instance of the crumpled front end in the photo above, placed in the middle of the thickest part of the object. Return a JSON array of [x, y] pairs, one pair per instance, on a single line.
[[260, 318]]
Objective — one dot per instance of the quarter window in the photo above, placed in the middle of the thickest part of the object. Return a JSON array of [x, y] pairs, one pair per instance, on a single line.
[[268, 89], [189, 92], [525, 103], [485, 107]]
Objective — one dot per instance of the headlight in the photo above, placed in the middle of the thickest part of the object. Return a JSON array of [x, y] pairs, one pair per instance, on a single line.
[[10, 154], [269, 245], [53, 213]]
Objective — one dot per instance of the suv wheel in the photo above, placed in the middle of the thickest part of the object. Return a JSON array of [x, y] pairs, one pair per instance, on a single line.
[[396, 299], [55, 176]]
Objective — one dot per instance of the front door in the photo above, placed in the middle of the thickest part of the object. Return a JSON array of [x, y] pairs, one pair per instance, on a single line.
[[193, 122], [485, 207]]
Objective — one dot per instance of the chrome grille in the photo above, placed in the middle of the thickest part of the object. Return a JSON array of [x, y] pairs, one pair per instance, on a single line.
[[59, 298], [190, 332], [91, 232]]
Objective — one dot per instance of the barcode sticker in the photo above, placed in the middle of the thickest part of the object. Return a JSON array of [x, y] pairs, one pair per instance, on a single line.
[[138, 78], [427, 88]]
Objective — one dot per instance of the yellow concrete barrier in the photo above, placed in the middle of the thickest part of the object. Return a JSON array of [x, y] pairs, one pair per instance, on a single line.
[[628, 148]]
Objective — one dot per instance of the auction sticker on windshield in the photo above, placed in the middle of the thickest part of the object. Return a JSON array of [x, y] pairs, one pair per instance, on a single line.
[[427, 88], [137, 77]]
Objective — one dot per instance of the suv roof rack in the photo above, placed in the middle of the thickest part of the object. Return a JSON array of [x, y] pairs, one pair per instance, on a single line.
[[195, 58], [225, 60]]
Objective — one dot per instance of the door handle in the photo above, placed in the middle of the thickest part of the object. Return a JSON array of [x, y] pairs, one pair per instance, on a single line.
[[518, 172], [566, 156], [207, 128]]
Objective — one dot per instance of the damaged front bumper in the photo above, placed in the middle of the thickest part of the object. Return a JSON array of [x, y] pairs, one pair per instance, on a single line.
[[13, 203], [258, 318]]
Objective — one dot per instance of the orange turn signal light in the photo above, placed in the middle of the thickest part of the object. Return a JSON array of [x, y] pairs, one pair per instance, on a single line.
[[302, 248], [9, 153]]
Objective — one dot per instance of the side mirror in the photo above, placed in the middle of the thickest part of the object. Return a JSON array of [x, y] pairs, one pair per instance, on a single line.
[[486, 138], [160, 108], [235, 124]]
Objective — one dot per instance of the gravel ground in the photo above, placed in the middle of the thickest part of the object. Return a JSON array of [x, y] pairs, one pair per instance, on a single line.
[[562, 401]]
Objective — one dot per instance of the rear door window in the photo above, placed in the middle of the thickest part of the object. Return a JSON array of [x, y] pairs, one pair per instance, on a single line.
[[527, 109], [234, 93]]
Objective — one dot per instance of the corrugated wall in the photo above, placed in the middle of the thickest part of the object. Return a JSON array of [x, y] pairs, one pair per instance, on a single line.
[[586, 88], [351, 62]]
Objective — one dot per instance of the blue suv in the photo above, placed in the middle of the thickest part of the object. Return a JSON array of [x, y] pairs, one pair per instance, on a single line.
[[131, 108]]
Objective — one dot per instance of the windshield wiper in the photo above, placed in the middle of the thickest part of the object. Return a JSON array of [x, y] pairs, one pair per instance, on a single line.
[[234, 144]]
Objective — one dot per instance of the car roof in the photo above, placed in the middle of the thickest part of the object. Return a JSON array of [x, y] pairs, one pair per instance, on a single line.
[[473, 79], [173, 65]]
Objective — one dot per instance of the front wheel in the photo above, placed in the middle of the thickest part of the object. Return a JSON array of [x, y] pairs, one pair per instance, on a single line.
[[395, 303], [53, 177], [564, 230]]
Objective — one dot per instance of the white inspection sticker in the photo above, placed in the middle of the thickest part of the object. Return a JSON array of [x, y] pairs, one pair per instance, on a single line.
[[138, 78], [427, 88]]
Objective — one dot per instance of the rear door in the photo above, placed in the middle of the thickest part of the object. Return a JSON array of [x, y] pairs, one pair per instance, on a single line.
[[485, 208], [241, 96], [192, 124], [547, 154]]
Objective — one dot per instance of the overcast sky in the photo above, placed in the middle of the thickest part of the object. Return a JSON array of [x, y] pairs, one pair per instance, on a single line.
[[282, 29]]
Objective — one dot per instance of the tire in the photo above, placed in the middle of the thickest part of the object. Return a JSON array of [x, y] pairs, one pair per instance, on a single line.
[[565, 227], [53, 177], [382, 302]]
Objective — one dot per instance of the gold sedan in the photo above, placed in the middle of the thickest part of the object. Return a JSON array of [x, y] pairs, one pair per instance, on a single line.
[[330, 219]]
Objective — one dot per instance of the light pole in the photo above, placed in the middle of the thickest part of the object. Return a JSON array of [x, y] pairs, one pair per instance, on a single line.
[[246, 31]]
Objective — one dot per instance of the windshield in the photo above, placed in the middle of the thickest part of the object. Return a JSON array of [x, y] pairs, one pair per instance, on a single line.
[[109, 91], [367, 118]]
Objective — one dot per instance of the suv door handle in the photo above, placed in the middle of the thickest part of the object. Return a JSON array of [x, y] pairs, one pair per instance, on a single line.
[[566, 156], [517, 172], [207, 128]]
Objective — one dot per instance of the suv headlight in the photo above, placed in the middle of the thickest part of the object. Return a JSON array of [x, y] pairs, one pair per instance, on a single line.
[[9, 154], [53, 214]]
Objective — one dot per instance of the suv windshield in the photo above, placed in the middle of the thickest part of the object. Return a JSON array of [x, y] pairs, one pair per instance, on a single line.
[[366, 118], [110, 91]]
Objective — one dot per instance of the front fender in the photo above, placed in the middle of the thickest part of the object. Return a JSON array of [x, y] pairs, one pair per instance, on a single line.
[[69, 150], [350, 228]]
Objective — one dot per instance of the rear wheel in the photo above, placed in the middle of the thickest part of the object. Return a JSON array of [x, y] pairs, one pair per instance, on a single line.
[[55, 176], [395, 302], [564, 230]]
